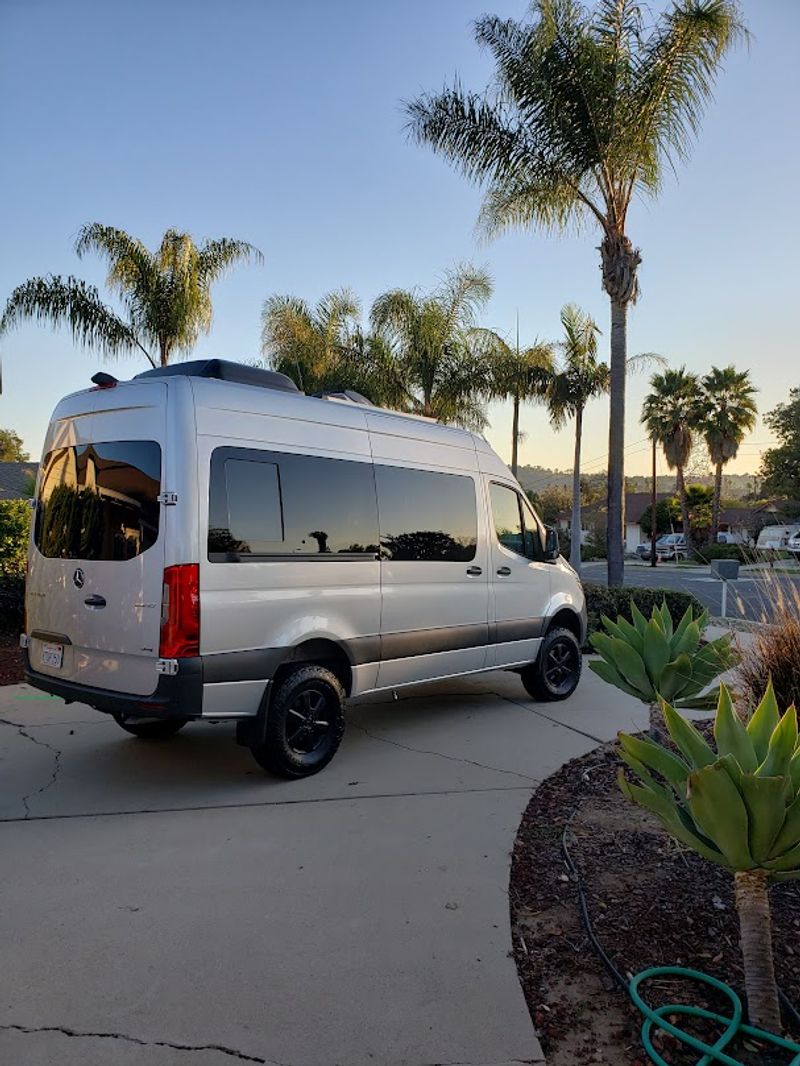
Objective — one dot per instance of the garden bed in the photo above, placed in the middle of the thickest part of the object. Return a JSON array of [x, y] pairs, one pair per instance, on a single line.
[[652, 902]]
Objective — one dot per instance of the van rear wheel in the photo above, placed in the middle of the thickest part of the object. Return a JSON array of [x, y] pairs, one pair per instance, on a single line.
[[150, 728], [305, 723], [557, 670]]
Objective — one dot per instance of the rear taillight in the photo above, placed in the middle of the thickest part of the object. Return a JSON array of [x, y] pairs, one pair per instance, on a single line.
[[180, 612]]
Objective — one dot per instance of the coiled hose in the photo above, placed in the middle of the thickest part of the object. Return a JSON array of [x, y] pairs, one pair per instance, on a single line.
[[657, 1017]]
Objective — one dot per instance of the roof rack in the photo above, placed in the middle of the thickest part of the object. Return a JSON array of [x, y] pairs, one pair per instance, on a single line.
[[224, 370]]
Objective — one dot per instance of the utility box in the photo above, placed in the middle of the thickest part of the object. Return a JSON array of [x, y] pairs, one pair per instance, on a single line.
[[725, 569]]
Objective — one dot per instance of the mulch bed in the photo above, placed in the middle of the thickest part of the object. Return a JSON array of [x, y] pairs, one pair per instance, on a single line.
[[12, 658], [652, 903]]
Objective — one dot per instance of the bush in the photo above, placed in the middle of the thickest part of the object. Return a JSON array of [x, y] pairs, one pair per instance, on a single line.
[[775, 655], [740, 552], [602, 600], [15, 520]]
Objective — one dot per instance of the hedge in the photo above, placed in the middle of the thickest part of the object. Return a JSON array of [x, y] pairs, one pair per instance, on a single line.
[[602, 600]]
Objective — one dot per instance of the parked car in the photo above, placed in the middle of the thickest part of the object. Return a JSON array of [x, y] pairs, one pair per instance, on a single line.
[[793, 545], [775, 538], [211, 544], [671, 546]]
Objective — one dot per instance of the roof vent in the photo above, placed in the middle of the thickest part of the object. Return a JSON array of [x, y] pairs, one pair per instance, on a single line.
[[101, 380], [349, 395], [224, 370]]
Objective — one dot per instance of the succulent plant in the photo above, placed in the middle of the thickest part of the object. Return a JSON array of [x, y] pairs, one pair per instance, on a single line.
[[651, 659], [738, 806]]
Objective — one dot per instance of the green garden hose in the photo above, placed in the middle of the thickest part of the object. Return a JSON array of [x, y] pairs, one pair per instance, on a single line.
[[656, 1017]]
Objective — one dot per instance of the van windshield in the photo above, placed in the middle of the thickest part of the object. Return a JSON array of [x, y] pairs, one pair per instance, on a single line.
[[99, 501]]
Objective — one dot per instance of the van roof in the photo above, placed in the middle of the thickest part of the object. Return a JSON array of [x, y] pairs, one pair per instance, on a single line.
[[222, 375]]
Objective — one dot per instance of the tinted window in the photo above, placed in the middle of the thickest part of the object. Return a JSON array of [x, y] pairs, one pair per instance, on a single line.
[[534, 531], [426, 516], [270, 503], [507, 518], [99, 501]]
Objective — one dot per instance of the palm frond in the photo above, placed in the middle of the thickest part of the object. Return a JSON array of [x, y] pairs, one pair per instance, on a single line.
[[72, 303]]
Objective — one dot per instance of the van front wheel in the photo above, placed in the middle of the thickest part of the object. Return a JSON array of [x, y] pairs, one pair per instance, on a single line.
[[150, 728], [557, 670], [305, 723]]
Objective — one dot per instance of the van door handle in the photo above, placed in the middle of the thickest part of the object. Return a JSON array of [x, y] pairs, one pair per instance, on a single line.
[[474, 571], [504, 571], [95, 603]]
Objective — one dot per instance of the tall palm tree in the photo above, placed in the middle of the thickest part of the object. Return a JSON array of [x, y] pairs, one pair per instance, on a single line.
[[437, 365], [587, 109], [166, 294], [671, 412], [579, 378], [519, 375], [729, 413]]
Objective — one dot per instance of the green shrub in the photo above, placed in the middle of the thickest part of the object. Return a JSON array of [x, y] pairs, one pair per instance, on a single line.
[[613, 602], [15, 520], [740, 552]]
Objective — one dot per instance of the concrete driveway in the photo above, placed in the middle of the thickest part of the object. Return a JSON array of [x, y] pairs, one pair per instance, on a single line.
[[167, 904]]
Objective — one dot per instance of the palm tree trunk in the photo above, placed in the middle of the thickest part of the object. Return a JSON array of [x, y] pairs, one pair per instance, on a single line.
[[715, 507], [164, 352], [755, 931], [680, 485], [515, 435], [616, 445], [575, 535]]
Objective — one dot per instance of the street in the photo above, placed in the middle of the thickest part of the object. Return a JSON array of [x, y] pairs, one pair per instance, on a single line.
[[754, 596]]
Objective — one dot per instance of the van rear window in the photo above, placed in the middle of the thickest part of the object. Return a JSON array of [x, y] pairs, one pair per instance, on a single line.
[[99, 501]]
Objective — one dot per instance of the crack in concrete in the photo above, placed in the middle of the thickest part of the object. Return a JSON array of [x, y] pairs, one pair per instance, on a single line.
[[353, 798], [42, 744], [441, 754], [87, 1034], [547, 718]]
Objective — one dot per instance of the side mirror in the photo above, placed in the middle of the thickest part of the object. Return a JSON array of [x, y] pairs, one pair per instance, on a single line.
[[551, 548]]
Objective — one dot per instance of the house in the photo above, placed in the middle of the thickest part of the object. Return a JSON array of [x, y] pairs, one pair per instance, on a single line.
[[15, 480], [636, 503]]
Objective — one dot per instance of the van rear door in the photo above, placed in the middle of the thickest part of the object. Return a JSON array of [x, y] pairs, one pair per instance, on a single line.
[[94, 587]]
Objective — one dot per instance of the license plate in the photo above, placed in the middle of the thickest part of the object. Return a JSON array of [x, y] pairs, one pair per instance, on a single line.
[[52, 655]]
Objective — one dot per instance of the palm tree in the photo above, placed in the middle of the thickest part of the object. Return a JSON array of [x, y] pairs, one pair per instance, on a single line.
[[587, 109], [729, 413], [519, 375], [579, 378], [166, 294], [436, 364], [671, 412], [312, 346]]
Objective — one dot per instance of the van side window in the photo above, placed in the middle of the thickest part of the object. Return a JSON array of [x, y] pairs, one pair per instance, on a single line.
[[507, 518], [99, 501], [426, 516], [278, 504], [534, 531]]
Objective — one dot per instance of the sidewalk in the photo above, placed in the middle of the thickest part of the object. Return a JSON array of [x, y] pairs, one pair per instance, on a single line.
[[168, 905]]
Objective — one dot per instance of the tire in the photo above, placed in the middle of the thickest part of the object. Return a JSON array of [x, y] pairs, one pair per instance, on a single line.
[[150, 728], [557, 670], [295, 742]]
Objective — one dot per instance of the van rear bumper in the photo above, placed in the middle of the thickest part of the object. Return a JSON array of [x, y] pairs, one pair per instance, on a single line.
[[176, 696]]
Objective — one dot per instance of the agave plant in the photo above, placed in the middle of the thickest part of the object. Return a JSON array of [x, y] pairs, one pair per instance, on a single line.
[[738, 806], [651, 659]]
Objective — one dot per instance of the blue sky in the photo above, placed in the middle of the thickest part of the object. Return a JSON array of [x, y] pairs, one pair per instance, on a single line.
[[282, 124]]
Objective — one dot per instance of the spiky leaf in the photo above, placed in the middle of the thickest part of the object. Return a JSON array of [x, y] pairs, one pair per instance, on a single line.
[[763, 799], [782, 747], [789, 835], [656, 650], [717, 807], [657, 758], [687, 739], [763, 723], [731, 735]]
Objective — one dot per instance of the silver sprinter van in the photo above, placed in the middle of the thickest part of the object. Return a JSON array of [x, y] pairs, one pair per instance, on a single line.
[[211, 543]]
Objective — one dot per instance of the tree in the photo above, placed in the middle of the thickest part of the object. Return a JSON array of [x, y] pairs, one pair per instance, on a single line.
[[667, 512], [551, 503], [312, 346], [11, 448], [518, 375], [699, 503], [437, 363], [579, 378], [780, 467], [587, 109], [670, 413], [166, 294], [729, 412]]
